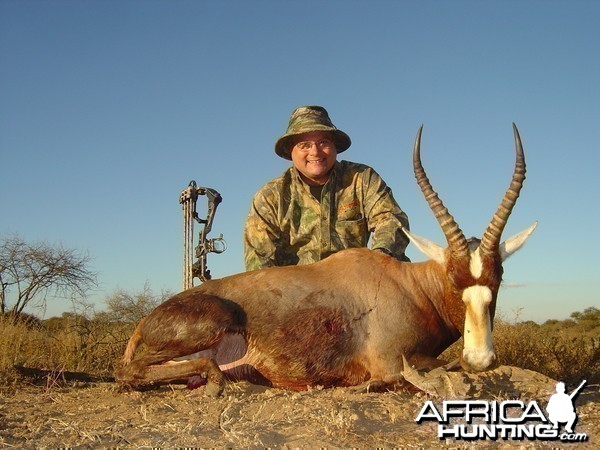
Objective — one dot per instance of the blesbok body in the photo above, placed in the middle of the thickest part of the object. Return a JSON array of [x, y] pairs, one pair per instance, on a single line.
[[344, 321]]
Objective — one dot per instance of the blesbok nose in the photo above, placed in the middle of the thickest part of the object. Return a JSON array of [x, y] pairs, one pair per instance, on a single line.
[[478, 361]]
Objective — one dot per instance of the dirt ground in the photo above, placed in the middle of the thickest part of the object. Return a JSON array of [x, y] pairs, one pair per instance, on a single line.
[[100, 415]]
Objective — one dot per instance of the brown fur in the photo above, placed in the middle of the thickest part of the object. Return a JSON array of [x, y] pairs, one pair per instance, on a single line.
[[343, 321]]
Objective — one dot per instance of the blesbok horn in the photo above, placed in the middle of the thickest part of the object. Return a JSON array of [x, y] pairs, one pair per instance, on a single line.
[[457, 243], [490, 242]]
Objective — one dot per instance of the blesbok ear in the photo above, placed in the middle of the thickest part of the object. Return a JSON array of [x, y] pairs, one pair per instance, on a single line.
[[430, 249], [514, 243]]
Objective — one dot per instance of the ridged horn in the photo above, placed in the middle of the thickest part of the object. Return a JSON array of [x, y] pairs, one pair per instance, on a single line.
[[490, 241], [457, 243]]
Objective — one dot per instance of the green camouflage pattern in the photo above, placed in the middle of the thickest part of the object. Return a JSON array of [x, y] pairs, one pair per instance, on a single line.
[[287, 225], [306, 119]]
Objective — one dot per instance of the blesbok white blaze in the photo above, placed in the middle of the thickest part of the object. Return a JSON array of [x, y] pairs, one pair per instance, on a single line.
[[347, 320], [478, 348]]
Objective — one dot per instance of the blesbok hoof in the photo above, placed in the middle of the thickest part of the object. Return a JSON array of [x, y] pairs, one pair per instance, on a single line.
[[214, 383], [213, 389]]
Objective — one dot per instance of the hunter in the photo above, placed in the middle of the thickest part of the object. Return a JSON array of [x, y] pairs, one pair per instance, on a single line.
[[320, 205]]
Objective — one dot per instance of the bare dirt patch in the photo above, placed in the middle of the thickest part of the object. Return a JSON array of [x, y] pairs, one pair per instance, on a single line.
[[100, 415]]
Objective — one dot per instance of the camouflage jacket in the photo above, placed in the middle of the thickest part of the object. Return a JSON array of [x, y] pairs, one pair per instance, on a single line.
[[287, 225]]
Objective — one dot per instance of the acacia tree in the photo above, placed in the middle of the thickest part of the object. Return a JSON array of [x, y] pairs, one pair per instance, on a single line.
[[127, 307], [31, 272]]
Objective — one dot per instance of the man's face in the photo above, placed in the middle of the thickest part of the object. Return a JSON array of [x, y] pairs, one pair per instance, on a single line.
[[314, 155]]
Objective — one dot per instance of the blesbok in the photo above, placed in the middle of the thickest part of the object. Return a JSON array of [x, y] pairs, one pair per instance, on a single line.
[[344, 321]]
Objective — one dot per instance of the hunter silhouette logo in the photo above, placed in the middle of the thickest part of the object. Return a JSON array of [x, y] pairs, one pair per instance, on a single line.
[[560, 407], [508, 419]]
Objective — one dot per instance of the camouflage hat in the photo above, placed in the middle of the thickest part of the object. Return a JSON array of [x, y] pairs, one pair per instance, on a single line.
[[306, 119]]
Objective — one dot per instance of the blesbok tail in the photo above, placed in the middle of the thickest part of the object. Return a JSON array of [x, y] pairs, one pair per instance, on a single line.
[[133, 344]]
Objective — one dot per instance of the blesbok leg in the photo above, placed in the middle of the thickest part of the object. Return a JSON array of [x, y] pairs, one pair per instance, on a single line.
[[143, 372], [179, 328]]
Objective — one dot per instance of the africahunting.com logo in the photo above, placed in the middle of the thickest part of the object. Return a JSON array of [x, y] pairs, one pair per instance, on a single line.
[[508, 419]]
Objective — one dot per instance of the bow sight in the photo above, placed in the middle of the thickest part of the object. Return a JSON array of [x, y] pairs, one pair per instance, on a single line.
[[188, 199]]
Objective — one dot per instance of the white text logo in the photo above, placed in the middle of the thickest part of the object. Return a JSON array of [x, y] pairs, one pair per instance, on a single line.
[[509, 419]]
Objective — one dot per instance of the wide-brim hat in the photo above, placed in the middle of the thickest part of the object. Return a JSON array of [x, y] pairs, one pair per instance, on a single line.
[[306, 119]]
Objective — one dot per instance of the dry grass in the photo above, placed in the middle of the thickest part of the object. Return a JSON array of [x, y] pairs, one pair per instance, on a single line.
[[71, 343], [75, 343]]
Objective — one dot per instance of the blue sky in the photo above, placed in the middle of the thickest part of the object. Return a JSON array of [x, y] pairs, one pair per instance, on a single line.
[[109, 108]]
